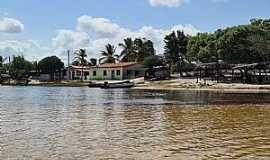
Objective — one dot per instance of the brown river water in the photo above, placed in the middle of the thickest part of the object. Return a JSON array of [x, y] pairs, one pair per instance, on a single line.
[[38, 123]]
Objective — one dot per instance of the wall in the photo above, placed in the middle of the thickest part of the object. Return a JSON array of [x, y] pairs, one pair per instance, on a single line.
[[133, 72], [100, 76]]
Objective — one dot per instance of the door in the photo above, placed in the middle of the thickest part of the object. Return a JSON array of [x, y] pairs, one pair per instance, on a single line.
[[113, 74]]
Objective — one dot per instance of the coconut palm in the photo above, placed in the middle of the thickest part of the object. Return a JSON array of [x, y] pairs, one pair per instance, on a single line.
[[80, 56], [144, 48], [137, 50], [108, 55], [128, 53], [93, 61]]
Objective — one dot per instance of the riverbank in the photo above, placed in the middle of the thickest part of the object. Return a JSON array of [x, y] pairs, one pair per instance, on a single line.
[[192, 84], [172, 84]]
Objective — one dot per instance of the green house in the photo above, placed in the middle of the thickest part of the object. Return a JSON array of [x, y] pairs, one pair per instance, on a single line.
[[116, 71]]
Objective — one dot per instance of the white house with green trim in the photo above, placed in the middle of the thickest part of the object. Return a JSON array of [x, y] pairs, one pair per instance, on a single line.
[[116, 71]]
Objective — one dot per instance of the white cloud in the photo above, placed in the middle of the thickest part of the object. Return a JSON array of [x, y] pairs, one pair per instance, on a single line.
[[101, 26], [90, 33], [103, 31], [29, 48], [174, 3], [168, 3], [9, 25]]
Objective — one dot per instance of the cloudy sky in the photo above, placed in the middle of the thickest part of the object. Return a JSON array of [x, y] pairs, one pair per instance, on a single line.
[[38, 28]]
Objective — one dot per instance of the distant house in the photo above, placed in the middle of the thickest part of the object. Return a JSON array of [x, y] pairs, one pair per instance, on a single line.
[[75, 72], [116, 71]]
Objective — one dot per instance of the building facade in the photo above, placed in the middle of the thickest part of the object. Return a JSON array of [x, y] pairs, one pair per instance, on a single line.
[[77, 72], [116, 71]]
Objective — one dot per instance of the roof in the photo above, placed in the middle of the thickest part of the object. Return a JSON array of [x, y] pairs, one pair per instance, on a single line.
[[116, 65], [80, 67]]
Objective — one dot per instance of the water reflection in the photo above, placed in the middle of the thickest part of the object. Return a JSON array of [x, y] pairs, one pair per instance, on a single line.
[[82, 123]]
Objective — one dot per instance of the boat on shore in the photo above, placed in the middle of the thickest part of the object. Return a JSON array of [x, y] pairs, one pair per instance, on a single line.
[[123, 84], [107, 85], [95, 84]]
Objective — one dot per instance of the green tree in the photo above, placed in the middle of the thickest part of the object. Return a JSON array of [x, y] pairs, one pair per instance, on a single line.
[[128, 50], [143, 48], [176, 48], [80, 57], [19, 67], [93, 61], [50, 65], [108, 55], [137, 50], [153, 61]]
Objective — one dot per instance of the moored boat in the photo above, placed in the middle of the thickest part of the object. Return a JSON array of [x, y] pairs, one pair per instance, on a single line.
[[95, 84], [124, 84]]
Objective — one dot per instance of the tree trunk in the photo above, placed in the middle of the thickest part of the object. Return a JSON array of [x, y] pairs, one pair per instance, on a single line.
[[180, 68]]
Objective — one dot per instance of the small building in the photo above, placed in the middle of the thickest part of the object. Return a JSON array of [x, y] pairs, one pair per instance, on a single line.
[[116, 71], [76, 72]]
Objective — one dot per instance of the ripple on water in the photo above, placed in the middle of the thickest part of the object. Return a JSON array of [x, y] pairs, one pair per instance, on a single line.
[[72, 123]]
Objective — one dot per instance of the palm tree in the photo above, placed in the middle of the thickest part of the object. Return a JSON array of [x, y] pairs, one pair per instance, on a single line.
[[137, 50], [144, 48], [108, 55], [129, 51], [80, 56], [93, 61]]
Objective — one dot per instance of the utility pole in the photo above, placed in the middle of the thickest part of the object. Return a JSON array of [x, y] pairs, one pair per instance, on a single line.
[[68, 71]]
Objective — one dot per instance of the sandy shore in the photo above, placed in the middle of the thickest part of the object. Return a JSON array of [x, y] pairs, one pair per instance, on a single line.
[[191, 84], [174, 84]]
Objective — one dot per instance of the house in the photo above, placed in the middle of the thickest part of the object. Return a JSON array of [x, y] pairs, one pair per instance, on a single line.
[[75, 72], [116, 71]]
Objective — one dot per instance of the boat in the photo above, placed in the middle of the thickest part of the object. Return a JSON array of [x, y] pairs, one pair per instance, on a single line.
[[95, 84], [124, 84]]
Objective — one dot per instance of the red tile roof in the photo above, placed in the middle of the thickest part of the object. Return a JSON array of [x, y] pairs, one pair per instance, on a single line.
[[80, 67], [116, 65]]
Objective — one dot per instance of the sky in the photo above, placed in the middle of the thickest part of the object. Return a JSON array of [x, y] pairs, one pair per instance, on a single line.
[[40, 28]]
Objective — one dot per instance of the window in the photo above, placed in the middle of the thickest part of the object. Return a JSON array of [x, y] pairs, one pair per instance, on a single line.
[[104, 73], [94, 73], [118, 72]]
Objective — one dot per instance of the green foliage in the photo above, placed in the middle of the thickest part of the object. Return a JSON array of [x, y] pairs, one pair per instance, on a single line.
[[238, 44], [136, 50], [19, 67], [93, 61], [108, 55], [50, 65], [80, 57], [176, 48], [153, 61]]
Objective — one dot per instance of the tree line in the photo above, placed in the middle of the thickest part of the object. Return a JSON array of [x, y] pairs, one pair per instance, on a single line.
[[240, 44]]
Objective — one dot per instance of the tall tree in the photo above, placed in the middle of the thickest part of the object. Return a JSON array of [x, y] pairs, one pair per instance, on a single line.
[[176, 48], [108, 55], [128, 50], [50, 65], [137, 50], [80, 56], [19, 67], [93, 61], [144, 48]]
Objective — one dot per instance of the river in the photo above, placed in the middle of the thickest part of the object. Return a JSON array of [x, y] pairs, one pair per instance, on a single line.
[[42, 123]]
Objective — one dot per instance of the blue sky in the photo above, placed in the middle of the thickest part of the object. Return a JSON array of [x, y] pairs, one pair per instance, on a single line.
[[53, 26]]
